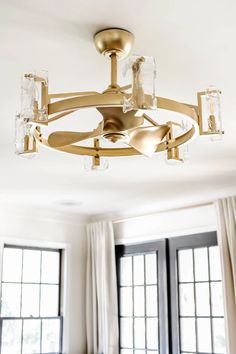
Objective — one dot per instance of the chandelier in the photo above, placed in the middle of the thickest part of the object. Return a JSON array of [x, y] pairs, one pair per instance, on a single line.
[[126, 112]]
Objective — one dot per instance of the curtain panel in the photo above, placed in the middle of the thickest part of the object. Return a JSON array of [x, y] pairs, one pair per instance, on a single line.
[[226, 211], [101, 290]]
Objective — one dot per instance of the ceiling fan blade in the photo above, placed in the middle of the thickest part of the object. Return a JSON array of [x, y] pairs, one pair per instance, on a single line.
[[146, 139], [63, 138]]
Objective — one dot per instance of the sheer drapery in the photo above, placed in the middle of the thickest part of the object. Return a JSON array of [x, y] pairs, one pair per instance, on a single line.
[[101, 290], [226, 210]]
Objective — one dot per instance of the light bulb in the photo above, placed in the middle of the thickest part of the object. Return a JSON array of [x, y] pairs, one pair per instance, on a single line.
[[214, 113]]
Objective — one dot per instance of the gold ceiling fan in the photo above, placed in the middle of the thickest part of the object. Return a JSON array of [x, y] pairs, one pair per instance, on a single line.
[[124, 113]]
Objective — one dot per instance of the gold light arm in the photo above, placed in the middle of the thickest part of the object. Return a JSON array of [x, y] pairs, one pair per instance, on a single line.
[[71, 94], [58, 116], [150, 120]]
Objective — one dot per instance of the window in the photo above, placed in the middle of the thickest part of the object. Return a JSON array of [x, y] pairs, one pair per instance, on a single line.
[[141, 279], [30, 319], [170, 297]]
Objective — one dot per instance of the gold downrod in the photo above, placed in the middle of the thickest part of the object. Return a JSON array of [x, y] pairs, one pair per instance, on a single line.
[[113, 70]]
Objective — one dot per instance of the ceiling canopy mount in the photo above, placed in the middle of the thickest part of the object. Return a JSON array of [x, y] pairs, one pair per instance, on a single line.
[[116, 41]]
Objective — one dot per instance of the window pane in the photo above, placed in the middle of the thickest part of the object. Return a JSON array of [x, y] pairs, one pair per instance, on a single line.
[[50, 267], [185, 263], [188, 335], [186, 299], [30, 300], [215, 265], [31, 266], [219, 335], [138, 270], [126, 332], [126, 271], [12, 265], [151, 268], [139, 333], [51, 336], [202, 299], [139, 301], [126, 351], [201, 264], [217, 299], [11, 337], [139, 351], [126, 302], [151, 300], [31, 336], [49, 300], [152, 333], [204, 335], [11, 297]]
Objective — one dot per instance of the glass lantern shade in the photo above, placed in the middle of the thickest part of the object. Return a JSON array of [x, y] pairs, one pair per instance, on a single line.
[[141, 72], [25, 143], [28, 97], [210, 120], [32, 106]]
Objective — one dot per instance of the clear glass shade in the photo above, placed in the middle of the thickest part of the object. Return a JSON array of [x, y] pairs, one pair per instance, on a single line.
[[32, 107], [25, 144], [141, 72], [211, 111], [91, 165]]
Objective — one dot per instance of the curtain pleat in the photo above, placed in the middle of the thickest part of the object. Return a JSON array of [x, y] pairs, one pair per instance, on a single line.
[[226, 211], [101, 290]]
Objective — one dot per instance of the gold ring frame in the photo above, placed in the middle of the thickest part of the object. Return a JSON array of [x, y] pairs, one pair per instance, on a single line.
[[66, 106]]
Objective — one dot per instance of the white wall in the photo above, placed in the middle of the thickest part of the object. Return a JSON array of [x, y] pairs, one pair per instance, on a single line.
[[47, 229], [179, 222]]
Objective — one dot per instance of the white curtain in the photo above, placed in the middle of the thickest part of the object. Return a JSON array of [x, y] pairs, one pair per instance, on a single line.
[[101, 290], [226, 210]]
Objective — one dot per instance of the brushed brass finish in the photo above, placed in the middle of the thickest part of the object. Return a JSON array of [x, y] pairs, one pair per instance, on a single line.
[[146, 139], [116, 125], [60, 115], [114, 41], [106, 101], [96, 158], [173, 154], [113, 71], [114, 152], [58, 139], [71, 94], [115, 120]]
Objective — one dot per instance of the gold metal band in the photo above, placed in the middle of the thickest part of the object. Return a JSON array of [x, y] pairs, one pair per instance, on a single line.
[[116, 100]]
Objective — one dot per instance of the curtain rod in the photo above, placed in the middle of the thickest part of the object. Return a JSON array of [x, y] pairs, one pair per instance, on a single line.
[[117, 221]]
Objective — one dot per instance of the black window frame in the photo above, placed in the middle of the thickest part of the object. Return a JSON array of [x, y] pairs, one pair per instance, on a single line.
[[208, 239], [158, 247], [23, 318], [168, 292]]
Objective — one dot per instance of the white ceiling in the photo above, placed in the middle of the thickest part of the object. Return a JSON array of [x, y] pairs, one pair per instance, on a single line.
[[194, 44]]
